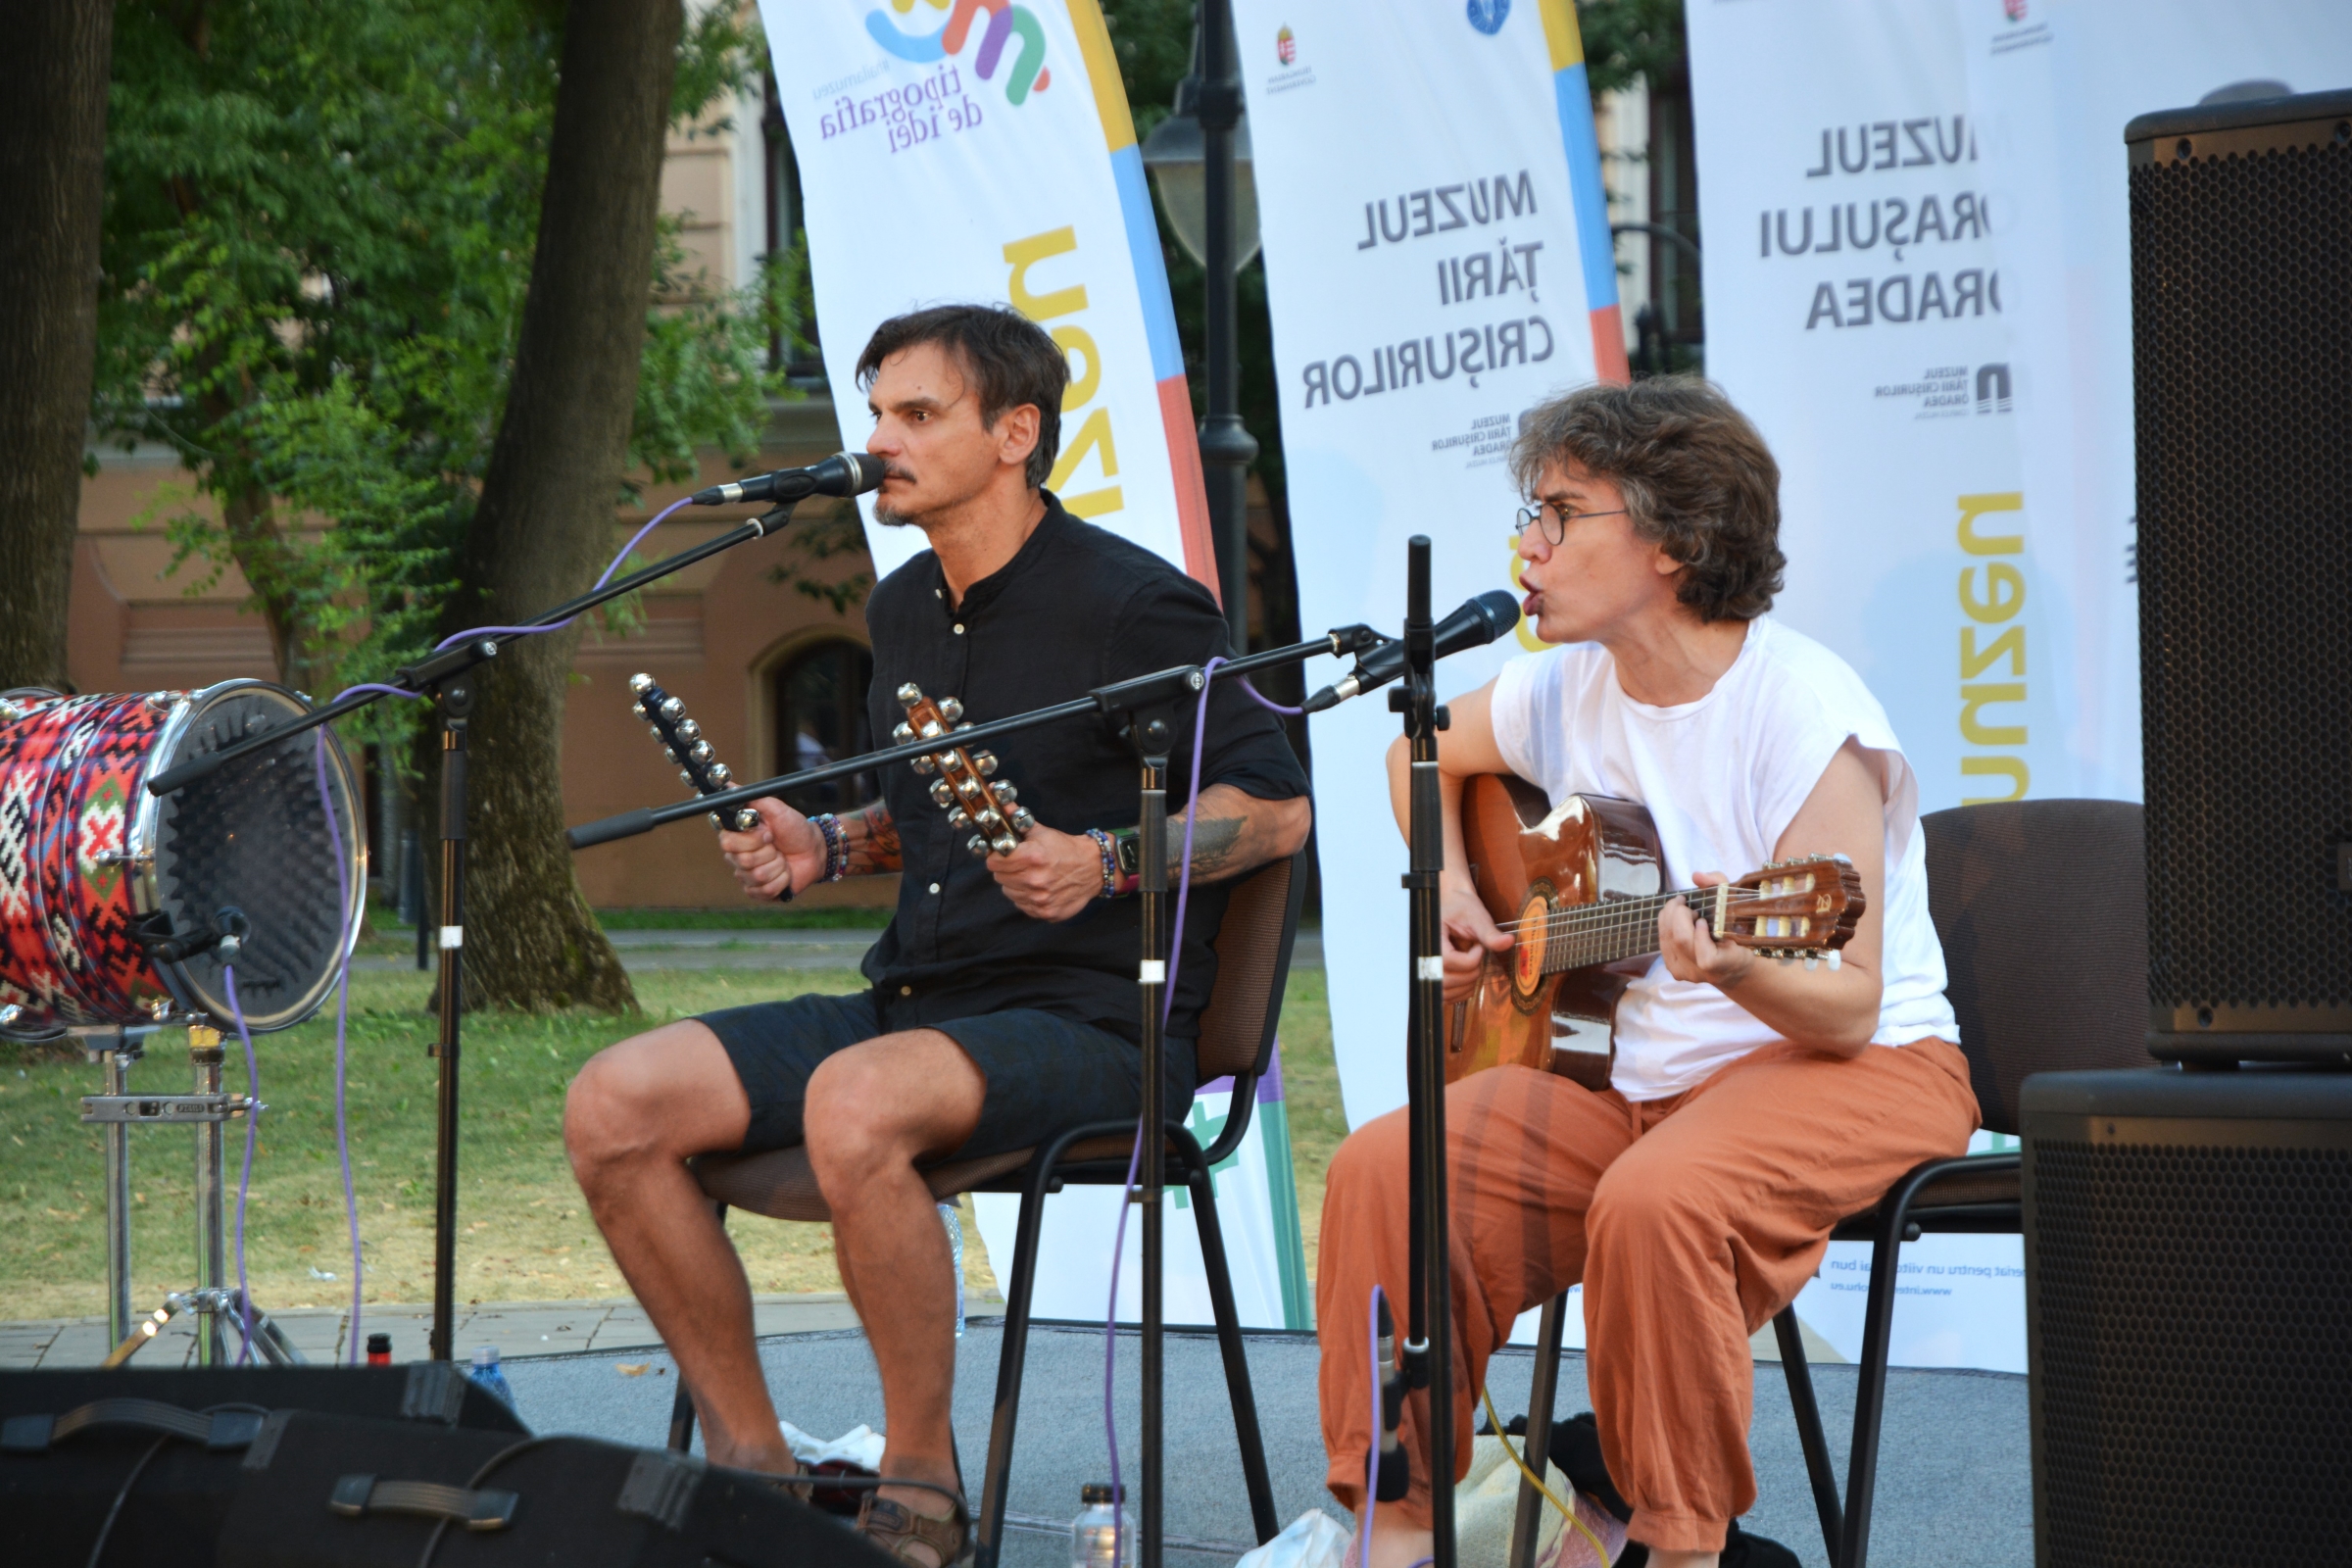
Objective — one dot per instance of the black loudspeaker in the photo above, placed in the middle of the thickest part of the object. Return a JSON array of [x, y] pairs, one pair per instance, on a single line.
[[2241, 349], [139, 1466], [335, 1492], [2189, 1317]]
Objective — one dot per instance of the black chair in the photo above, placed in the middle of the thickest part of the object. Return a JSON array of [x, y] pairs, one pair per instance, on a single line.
[[2041, 906], [1237, 1040]]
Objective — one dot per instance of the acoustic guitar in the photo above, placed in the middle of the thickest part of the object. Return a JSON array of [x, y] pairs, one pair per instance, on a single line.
[[1580, 884]]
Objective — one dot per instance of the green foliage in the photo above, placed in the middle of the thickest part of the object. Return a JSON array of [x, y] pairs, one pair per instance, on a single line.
[[320, 226], [1631, 41]]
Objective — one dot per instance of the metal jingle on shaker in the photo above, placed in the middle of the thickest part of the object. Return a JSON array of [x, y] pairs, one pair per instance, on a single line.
[[746, 819], [978, 845], [910, 695], [715, 821], [951, 709], [983, 764], [689, 729], [925, 766], [1007, 793], [1022, 822], [941, 794], [701, 752], [1006, 844], [641, 683], [957, 822], [637, 708], [686, 778], [901, 733], [673, 710], [721, 774]]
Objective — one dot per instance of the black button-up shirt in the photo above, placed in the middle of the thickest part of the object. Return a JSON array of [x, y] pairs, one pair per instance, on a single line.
[[1077, 607]]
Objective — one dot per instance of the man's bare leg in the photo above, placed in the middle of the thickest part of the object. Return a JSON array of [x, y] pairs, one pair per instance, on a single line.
[[633, 1115], [873, 1110]]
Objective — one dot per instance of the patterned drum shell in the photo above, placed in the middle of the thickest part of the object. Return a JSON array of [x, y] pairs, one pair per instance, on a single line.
[[87, 853]]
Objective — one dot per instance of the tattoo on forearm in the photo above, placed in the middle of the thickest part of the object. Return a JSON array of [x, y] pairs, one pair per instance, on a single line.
[[1215, 841], [873, 840]]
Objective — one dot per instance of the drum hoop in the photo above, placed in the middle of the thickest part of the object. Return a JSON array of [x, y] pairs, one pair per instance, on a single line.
[[146, 894]]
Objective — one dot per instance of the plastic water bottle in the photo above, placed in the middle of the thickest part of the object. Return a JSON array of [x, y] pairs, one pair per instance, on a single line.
[[1102, 1536], [486, 1373], [955, 1224]]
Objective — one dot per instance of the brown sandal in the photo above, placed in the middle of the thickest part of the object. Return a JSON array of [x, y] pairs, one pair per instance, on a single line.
[[893, 1527]]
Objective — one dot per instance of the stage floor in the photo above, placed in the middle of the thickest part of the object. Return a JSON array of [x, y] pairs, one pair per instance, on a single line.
[[1954, 1479]]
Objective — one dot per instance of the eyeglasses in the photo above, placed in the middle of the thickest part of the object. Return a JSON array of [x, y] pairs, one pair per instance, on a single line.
[[1555, 521]]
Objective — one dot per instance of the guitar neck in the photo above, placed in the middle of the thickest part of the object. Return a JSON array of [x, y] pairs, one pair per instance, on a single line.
[[1587, 934]]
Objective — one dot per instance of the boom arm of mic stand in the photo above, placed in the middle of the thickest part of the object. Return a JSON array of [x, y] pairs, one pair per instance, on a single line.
[[1343, 641], [445, 664]]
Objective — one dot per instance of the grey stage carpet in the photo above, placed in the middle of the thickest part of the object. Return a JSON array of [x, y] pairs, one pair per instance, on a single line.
[[1953, 1483]]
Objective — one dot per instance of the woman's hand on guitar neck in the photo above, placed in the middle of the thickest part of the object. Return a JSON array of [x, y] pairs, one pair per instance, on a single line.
[[1691, 949], [1468, 933]]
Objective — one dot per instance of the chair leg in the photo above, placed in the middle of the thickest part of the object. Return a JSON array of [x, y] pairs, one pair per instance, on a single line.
[[1807, 1411], [995, 1479], [1536, 1448], [682, 1404], [1869, 1390], [1229, 1342]]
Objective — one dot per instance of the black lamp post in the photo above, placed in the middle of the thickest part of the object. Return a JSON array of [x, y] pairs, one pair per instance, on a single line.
[[1200, 157]]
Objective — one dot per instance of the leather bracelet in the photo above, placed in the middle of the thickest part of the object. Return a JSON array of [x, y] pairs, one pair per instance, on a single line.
[[837, 846]]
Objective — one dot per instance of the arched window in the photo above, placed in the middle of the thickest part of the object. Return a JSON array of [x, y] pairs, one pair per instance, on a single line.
[[819, 697]]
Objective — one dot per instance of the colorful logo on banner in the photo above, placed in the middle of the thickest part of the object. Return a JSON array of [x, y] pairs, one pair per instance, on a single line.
[[1005, 21], [1489, 16], [1286, 47]]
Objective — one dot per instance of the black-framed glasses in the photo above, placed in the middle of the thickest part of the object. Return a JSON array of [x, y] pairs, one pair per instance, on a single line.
[[1555, 521]]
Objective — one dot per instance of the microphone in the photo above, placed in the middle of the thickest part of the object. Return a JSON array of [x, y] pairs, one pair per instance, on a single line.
[[1477, 624], [844, 474]]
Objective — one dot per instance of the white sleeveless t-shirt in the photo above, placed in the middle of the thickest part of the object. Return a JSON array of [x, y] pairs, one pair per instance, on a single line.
[[1723, 777]]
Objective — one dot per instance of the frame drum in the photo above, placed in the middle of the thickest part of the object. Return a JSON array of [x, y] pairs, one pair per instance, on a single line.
[[97, 875]]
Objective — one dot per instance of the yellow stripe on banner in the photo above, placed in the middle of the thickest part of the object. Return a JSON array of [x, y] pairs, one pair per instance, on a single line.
[[1103, 70], [1560, 31]]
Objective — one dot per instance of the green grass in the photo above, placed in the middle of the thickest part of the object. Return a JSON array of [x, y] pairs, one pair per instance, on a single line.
[[525, 1234], [835, 918]]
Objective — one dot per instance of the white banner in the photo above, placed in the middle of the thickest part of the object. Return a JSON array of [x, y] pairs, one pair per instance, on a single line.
[[1437, 262], [1917, 284], [983, 150]]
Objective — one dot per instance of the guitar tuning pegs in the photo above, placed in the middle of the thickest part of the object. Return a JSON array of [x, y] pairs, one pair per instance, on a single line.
[[688, 729], [641, 683], [941, 794], [951, 709], [983, 764], [900, 734], [925, 765], [1812, 963]]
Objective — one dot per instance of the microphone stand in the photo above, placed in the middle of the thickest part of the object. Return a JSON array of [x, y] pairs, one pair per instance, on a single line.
[[1428, 1349], [447, 676]]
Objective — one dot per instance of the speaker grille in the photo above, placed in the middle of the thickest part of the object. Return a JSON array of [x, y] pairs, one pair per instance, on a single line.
[[2193, 1353], [2242, 303]]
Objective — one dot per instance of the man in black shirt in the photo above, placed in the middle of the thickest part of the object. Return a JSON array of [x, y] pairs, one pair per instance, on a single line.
[[1003, 999]]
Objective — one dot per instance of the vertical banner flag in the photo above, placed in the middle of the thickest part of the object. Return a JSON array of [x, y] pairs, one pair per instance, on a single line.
[[1917, 284], [954, 150], [1437, 260]]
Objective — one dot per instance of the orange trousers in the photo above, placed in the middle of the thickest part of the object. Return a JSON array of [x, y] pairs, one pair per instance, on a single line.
[[1690, 1220]]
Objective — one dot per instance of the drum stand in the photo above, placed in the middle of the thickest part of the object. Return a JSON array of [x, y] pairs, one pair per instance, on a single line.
[[208, 1110]]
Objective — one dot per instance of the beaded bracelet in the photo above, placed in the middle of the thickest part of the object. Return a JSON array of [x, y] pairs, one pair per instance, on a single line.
[[837, 846], [1110, 851]]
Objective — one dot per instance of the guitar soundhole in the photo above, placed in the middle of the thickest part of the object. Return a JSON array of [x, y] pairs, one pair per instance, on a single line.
[[1527, 958]]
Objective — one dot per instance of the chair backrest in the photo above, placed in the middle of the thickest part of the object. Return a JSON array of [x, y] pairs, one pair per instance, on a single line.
[[1253, 963], [2044, 913]]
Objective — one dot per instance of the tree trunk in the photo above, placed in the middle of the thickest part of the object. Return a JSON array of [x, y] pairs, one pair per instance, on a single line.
[[544, 526], [52, 158]]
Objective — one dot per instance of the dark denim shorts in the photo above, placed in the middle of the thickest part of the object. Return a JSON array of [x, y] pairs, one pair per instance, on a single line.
[[1045, 1073]]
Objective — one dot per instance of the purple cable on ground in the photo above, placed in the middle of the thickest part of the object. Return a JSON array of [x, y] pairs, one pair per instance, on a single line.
[[454, 638], [253, 1117], [350, 1201]]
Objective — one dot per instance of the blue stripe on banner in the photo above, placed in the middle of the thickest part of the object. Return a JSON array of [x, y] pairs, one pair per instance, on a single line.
[[1151, 267], [1593, 246]]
